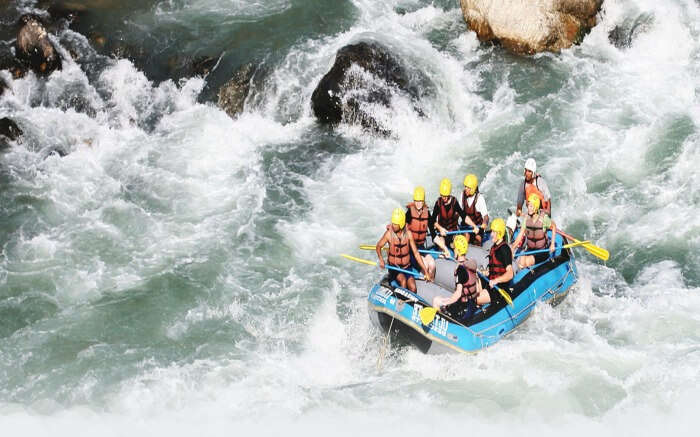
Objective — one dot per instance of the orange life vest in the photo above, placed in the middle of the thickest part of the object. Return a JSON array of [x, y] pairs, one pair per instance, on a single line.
[[532, 188], [399, 249], [419, 222]]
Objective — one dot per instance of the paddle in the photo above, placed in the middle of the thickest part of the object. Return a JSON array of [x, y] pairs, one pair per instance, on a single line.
[[430, 252], [566, 246], [371, 247], [463, 231], [426, 251], [427, 314], [591, 248], [499, 289], [374, 263]]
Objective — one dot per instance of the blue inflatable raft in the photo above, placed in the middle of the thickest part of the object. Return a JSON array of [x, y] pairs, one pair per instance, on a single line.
[[397, 309]]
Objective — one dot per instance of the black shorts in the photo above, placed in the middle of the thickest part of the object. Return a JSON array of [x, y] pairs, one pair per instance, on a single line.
[[393, 274], [541, 257], [461, 310]]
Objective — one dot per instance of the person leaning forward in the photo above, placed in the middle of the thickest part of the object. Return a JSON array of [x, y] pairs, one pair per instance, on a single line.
[[445, 217], [468, 292], [533, 183], [401, 245]]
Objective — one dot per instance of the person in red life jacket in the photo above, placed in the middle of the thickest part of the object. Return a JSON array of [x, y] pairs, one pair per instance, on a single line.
[[500, 269], [401, 244], [468, 291], [533, 183], [445, 217], [417, 217], [534, 228], [474, 207]]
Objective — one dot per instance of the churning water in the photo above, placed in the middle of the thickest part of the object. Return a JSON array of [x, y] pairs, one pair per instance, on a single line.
[[177, 272]]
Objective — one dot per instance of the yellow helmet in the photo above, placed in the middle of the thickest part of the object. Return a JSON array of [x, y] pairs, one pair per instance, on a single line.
[[499, 227], [398, 217], [419, 194], [461, 245], [445, 187], [471, 182], [535, 200]]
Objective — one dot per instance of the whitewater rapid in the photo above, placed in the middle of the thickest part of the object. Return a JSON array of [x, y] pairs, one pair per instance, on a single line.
[[178, 271]]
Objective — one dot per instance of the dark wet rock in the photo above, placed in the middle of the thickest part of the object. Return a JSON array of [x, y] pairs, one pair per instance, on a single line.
[[188, 66], [34, 48], [343, 93], [233, 93], [9, 131], [77, 102], [625, 33]]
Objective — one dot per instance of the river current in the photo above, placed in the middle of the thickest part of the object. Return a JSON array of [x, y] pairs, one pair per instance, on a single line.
[[177, 272]]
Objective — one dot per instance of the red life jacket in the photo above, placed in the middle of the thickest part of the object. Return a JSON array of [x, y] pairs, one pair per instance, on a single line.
[[532, 188], [448, 217], [469, 290], [496, 267], [419, 222], [536, 236], [399, 249], [471, 211]]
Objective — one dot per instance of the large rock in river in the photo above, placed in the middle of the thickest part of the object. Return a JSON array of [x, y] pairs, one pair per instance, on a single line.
[[531, 26], [34, 47], [363, 73], [9, 131]]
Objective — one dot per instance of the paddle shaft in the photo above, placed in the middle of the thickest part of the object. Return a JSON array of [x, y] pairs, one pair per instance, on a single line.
[[594, 250], [499, 289], [374, 263], [566, 246]]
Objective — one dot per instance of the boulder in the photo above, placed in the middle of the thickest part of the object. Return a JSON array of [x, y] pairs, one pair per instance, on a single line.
[[531, 26], [233, 93], [9, 131], [363, 73], [34, 48], [625, 33]]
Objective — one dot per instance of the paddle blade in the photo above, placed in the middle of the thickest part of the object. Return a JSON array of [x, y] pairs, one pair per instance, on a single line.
[[505, 295], [427, 314], [359, 260], [594, 250], [597, 251]]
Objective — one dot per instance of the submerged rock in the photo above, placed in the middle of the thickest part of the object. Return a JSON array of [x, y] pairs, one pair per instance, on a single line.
[[9, 131], [528, 27], [341, 94], [34, 47], [625, 33], [233, 93]]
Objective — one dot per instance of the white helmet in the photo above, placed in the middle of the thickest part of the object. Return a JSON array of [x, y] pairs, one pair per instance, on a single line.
[[531, 165]]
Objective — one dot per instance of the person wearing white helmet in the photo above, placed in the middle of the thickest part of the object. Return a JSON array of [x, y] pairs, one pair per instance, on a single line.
[[533, 183]]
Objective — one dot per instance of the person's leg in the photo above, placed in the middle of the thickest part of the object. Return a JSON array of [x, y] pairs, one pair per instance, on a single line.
[[440, 242], [526, 261], [429, 262], [401, 279], [483, 298], [411, 284]]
